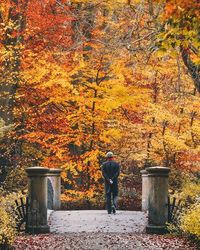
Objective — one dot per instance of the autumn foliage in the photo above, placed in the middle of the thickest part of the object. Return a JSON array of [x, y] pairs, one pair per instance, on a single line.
[[79, 78]]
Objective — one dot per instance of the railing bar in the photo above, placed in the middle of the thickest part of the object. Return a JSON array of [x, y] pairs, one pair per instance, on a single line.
[[23, 210], [18, 208], [169, 210], [173, 205], [26, 218]]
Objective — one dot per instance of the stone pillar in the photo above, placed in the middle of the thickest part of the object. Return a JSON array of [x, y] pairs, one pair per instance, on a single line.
[[37, 193], [55, 178], [157, 201], [145, 190]]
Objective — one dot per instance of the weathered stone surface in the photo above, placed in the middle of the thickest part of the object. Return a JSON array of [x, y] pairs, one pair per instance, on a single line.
[[37, 192], [50, 194], [145, 190], [54, 177], [157, 201]]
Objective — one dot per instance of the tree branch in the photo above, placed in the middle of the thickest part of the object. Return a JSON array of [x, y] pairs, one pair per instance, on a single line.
[[194, 69]]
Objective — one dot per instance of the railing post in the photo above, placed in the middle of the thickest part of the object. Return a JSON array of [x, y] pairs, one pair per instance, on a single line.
[[54, 176], [157, 199], [37, 193], [145, 190]]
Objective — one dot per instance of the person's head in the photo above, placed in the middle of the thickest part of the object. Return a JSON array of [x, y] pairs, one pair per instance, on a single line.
[[109, 155]]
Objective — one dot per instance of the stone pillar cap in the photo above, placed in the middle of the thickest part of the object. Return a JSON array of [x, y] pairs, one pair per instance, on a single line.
[[143, 171], [158, 170], [55, 171], [37, 170]]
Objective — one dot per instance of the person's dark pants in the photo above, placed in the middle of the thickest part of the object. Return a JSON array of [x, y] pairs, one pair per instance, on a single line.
[[111, 196]]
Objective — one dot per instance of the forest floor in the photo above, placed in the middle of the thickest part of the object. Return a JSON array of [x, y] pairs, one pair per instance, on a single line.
[[96, 230]]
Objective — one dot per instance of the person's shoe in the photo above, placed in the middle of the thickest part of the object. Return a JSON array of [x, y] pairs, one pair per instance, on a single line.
[[114, 210]]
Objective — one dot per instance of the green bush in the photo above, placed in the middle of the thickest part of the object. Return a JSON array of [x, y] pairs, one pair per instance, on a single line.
[[189, 193], [7, 230], [190, 220], [16, 179], [8, 219], [177, 179]]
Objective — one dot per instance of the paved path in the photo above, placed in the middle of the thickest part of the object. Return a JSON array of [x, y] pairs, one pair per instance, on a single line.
[[96, 230], [97, 221]]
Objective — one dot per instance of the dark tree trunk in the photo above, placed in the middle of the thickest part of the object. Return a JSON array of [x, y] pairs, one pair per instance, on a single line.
[[193, 69]]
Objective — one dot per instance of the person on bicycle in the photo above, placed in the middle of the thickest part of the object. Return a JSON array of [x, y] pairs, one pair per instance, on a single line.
[[111, 171]]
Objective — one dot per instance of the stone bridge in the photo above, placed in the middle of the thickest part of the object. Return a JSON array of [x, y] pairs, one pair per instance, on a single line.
[[44, 215]]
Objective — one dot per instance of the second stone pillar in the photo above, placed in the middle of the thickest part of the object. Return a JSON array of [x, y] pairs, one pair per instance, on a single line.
[[145, 190], [55, 178], [157, 199]]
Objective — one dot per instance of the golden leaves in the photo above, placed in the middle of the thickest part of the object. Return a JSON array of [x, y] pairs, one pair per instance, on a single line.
[[4, 10]]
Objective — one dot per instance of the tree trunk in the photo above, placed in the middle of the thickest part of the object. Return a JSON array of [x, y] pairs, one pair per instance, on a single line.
[[193, 68]]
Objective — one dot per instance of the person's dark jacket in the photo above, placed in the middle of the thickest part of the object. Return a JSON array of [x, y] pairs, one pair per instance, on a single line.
[[111, 170]]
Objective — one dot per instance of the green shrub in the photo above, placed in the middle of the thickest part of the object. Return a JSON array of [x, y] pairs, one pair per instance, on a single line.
[[7, 230], [190, 220], [177, 179], [189, 193], [16, 179], [8, 219]]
